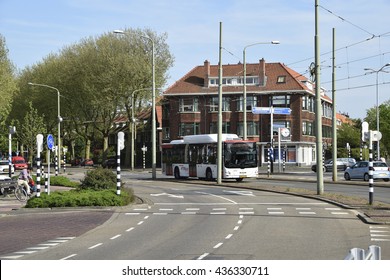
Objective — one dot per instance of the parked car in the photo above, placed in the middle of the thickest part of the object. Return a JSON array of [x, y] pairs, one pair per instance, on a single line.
[[109, 163], [348, 161], [4, 167], [328, 165], [87, 162], [19, 163], [360, 171]]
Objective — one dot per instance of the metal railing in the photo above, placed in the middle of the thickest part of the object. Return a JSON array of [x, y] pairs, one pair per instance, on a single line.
[[373, 253]]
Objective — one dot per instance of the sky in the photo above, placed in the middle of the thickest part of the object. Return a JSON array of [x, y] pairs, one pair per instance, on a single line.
[[35, 29]]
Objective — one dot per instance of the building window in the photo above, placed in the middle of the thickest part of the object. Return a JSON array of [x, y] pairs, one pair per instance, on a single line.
[[326, 110], [281, 80], [189, 129], [280, 100], [307, 128], [188, 104], [308, 103], [225, 127], [165, 133], [234, 81], [214, 104], [252, 129], [251, 101], [165, 111]]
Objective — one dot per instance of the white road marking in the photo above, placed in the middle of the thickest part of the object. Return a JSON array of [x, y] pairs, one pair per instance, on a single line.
[[132, 214], [165, 209], [339, 213], [70, 256], [192, 209], [167, 194], [228, 236], [140, 223], [217, 213], [218, 245], [203, 256], [307, 213], [161, 214], [218, 196], [94, 246], [129, 229], [115, 237], [236, 228], [276, 213], [188, 213], [246, 213], [13, 257], [245, 193]]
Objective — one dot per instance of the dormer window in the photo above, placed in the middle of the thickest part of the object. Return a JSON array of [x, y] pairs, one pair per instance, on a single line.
[[281, 80]]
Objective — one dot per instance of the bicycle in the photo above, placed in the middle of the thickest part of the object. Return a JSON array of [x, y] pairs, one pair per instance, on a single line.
[[12, 187]]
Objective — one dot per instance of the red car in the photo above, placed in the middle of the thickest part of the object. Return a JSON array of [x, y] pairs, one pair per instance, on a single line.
[[19, 163], [87, 162]]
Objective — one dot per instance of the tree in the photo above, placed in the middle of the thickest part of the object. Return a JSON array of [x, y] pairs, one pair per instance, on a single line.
[[95, 77], [32, 125], [8, 88]]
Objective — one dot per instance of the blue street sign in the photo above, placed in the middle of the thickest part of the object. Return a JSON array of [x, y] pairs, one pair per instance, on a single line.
[[261, 110], [282, 111], [50, 142], [267, 110]]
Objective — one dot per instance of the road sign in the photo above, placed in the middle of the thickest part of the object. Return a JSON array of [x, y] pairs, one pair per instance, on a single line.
[[39, 143], [121, 140], [50, 142], [365, 134], [269, 110]]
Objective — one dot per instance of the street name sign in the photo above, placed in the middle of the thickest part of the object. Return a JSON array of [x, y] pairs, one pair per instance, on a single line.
[[269, 110]]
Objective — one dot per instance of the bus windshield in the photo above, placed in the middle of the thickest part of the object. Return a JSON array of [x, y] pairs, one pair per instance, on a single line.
[[240, 155]]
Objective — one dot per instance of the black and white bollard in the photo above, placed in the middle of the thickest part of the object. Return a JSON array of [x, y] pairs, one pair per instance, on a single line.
[[39, 150], [121, 146]]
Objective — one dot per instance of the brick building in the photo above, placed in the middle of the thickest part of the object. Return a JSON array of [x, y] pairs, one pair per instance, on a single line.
[[190, 106]]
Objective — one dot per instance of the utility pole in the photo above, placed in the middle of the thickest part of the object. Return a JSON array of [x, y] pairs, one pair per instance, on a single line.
[[320, 175], [334, 119], [219, 147]]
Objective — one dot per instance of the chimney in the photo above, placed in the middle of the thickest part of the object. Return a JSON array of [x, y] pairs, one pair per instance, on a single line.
[[206, 73], [262, 76]]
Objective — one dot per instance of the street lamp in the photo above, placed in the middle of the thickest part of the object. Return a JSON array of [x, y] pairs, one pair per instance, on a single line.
[[377, 98], [59, 119], [154, 128], [244, 95]]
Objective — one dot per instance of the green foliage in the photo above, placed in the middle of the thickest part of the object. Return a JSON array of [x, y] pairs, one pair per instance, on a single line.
[[32, 125], [79, 197], [58, 181], [99, 179], [96, 78], [8, 88]]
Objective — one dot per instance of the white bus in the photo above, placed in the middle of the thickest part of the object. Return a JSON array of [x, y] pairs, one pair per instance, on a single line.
[[196, 156]]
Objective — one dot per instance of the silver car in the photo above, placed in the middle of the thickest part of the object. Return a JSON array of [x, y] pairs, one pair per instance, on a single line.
[[360, 171]]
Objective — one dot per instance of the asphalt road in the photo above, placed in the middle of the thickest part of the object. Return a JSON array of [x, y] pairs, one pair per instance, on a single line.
[[194, 221]]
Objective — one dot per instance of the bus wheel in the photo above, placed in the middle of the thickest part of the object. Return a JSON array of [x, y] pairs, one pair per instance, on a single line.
[[177, 173], [209, 174], [239, 179]]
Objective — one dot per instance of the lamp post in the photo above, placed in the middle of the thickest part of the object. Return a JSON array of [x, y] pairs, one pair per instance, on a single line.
[[59, 119], [377, 99], [154, 128], [244, 93], [133, 125]]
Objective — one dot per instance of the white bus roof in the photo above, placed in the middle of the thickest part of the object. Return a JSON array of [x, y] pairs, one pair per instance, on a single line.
[[206, 138]]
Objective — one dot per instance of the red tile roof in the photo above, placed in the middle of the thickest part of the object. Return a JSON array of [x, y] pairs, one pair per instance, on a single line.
[[193, 82]]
